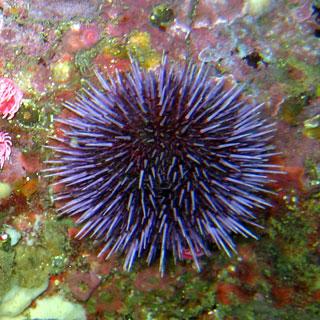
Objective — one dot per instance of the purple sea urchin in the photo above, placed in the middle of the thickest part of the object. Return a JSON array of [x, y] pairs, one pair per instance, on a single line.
[[167, 160]]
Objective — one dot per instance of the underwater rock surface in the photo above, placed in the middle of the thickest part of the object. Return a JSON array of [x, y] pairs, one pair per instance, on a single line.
[[49, 47]]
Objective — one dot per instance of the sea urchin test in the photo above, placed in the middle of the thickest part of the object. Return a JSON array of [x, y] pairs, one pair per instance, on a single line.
[[154, 163]]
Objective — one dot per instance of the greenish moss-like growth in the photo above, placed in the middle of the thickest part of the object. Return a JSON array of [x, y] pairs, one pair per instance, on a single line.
[[287, 257], [195, 296], [161, 15], [292, 107], [31, 265], [313, 174], [84, 58], [54, 239], [290, 246], [6, 270], [299, 76], [299, 84], [264, 310]]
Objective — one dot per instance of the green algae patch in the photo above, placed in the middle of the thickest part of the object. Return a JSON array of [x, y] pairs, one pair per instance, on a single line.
[[313, 174], [298, 80], [35, 263], [31, 266], [264, 310], [292, 108], [312, 127], [288, 260], [298, 76], [161, 15], [291, 249], [195, 296], [6, 270], [54, 239], [84, 58]]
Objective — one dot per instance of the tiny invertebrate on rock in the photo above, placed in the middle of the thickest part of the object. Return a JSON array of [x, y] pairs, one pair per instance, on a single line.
[[83, 284], [10, 98], [5, 148], [154, 162]]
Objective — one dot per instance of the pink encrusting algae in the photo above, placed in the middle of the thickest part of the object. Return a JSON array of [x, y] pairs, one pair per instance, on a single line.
[[5, 147], [10, 98]]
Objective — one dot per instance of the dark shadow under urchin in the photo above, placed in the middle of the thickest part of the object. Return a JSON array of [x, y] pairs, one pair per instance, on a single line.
[[163, 161]]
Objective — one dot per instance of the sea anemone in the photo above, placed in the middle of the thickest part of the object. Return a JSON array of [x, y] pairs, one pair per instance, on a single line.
[[5, 148], [162, 161], [10, 98]]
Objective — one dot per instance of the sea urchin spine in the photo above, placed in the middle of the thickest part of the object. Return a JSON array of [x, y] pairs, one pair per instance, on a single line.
[[166, 160]]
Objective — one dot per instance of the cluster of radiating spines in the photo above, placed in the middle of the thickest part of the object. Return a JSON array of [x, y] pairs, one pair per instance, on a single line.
[[163, 161]]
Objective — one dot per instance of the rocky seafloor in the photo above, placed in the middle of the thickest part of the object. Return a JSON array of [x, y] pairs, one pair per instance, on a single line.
[[48, 47]]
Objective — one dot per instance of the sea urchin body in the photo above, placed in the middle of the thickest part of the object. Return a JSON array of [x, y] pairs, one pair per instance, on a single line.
[[162, 161]]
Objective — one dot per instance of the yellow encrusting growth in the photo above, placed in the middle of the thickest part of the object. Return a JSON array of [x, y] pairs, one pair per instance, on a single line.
[[62, 71], [139, 41], [139, 45]]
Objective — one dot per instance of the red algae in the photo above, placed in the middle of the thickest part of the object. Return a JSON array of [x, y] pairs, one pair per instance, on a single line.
[[109, 64], [227, 293], [31, 162], [150, 279], [17, 201], [282, 295], [15, 171], [115, 303], [316, 295], [293, 179], [80, 37], [122, 20], [247, 273], [247, 253]]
